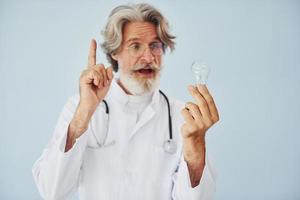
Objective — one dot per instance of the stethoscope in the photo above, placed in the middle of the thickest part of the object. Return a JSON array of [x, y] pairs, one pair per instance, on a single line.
[[169, 145]]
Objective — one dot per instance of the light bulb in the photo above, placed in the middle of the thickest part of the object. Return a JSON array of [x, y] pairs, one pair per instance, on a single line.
[[200, 71]]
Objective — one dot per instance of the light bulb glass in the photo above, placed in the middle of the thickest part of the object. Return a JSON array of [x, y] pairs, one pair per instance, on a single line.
[[200, 71]]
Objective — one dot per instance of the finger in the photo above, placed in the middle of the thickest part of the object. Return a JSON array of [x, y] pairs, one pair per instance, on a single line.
[[109, 72], [95, 78], [201, 102], [105, 78], [101, 70], [91, 77], [210, 101], [187, 116], [100, 76], [194, 111], [92, 53]]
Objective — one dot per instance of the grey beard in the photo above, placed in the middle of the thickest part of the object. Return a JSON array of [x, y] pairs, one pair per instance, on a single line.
[[139, 87]]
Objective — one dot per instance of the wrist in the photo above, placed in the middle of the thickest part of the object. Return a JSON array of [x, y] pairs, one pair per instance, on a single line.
[[82, 116], [194, 150], [194, 155], [76, 128]]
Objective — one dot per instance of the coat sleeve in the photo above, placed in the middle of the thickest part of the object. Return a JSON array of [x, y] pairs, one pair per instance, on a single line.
[[56, 173], [182, 188]]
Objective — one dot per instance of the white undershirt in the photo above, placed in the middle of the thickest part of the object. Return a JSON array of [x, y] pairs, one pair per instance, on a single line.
[[138, 104]]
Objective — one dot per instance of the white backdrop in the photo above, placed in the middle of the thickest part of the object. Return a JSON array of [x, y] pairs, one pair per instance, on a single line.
[[252, 48]]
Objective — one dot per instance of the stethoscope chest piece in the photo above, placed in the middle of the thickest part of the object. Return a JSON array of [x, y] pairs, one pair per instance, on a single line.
[[170, 146]]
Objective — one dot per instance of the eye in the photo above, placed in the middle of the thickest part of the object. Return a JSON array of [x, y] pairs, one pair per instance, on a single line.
[[156, 45], [135, 46]]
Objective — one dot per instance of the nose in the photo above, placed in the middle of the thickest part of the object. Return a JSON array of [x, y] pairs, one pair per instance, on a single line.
[[147, 55]]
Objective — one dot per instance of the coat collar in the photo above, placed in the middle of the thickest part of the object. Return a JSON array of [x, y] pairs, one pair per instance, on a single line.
[[116, 93]]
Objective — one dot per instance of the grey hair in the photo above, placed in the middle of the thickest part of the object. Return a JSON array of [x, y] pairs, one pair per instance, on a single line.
[[123, 14]]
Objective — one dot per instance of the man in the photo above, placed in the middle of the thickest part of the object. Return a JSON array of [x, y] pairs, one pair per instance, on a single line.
[[114, 140]]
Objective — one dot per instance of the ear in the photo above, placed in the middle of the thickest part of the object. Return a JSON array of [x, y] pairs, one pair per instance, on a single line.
[[114, 56]]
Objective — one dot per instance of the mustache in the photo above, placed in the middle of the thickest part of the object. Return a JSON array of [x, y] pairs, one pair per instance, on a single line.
[[146, 66]]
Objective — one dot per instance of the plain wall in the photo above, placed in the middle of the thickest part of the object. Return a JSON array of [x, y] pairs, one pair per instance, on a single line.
[[252, 48]]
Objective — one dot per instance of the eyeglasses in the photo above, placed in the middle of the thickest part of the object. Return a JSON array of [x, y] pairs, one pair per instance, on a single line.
[[137, 49]]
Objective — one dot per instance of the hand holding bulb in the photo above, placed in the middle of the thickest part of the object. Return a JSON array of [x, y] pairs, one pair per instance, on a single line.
[[198, 116]]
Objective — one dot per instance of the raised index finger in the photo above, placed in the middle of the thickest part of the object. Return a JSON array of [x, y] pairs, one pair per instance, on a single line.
[[92, 53]]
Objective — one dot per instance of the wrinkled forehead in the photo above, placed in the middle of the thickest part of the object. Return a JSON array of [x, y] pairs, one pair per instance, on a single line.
[[139, 31]]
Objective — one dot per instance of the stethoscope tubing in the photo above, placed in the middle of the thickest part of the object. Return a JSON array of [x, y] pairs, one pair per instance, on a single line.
[[169, 144]]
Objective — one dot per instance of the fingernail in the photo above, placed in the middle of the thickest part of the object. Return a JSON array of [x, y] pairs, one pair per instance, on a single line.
[[190, 87], [201, 85]]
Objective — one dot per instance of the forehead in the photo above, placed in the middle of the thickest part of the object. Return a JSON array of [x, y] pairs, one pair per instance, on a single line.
[[139, 31]]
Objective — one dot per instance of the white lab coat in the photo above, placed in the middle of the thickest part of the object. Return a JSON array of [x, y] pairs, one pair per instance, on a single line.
[[130, 164]]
